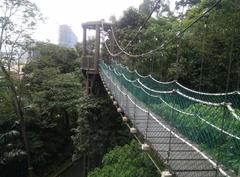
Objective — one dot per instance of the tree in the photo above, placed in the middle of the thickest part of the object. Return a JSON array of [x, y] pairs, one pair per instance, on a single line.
[[98, 130], [208, 43], [126, 161], [186, 3], [10, 141], [210, 40], [53, 93], [146, 7], [18, 19]]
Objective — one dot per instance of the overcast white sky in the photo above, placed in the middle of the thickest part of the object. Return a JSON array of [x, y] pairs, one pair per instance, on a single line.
[[76, 12]]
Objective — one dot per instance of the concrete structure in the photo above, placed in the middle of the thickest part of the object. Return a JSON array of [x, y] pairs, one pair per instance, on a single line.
[[67, 38]]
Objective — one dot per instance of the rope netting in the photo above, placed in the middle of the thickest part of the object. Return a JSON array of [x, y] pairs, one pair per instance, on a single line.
[[204, 118]]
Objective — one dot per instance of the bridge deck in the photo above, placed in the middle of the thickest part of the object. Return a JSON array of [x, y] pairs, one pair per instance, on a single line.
[[181, 156]]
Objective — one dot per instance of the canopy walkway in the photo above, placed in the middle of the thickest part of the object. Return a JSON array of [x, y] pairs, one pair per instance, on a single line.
[[196, 134]]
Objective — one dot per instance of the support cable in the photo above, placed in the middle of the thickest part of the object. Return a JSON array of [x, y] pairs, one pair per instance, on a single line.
[[203, 52], [226, 97], [135, 136], [165, 43], [156, 5], [180, 85], [176, 135], [185, 113]]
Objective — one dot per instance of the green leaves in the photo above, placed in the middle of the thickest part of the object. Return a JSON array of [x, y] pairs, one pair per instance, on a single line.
[[203, 51], [125, 161], [99, 128]]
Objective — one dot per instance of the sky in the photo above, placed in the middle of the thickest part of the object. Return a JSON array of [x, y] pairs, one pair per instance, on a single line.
[[76, 12]]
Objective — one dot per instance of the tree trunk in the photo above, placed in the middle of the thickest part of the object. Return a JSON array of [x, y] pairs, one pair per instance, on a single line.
[[84, 165], [68, 132], [20, 115]]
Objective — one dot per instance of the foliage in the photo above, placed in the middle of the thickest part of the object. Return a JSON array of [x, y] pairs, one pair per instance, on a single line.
[[99, 128], [215, 128], [207, 43], [50, 92], [50, 89], [52, 97], [223, 148], [125, 161], [18, 19]]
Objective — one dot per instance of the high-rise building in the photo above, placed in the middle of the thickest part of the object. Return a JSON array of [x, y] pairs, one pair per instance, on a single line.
[[67, 38]]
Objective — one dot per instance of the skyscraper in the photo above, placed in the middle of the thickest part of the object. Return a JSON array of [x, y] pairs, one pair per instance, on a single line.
[[67, 38]]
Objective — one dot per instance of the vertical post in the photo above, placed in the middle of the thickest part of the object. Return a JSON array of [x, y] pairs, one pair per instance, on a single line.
[[160, 66], [126, 105], [203, 54], [84, 41], [134, 114], [120, 94], [111, 46], [238, 80], [148, 117], [97, 47], [170, 132], [110, 80], [178, 57], [222, 135]]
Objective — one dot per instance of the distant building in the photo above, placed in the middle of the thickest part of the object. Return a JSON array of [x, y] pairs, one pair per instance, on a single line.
[[67, 38]]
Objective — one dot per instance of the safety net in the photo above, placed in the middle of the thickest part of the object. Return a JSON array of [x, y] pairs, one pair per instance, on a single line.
[[210, 120]]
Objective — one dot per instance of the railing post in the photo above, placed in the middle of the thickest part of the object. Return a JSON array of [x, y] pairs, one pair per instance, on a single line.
[[170, 131], [109, 75], [114, 84], [110, 82], [111, 44], [134, 114], [126, 105], [169, 146], [97, 46], [84, 41], [125, 118], [221, 136], [146, 130], [121, 95]]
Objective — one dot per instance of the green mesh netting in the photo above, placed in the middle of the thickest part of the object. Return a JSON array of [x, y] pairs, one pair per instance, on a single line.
[[153, 84], [201, 117]]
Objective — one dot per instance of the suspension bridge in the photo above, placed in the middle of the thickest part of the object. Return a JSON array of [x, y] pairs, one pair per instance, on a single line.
[[177, 126], [194, 134]]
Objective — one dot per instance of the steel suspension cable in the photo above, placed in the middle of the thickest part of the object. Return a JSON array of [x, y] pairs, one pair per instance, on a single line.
[[156, 5], [202, 55], [171, 107], [177, 136], [165, 43]]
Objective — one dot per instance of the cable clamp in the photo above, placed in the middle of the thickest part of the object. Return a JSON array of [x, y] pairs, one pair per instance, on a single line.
[[206, 13], [178, 34]]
